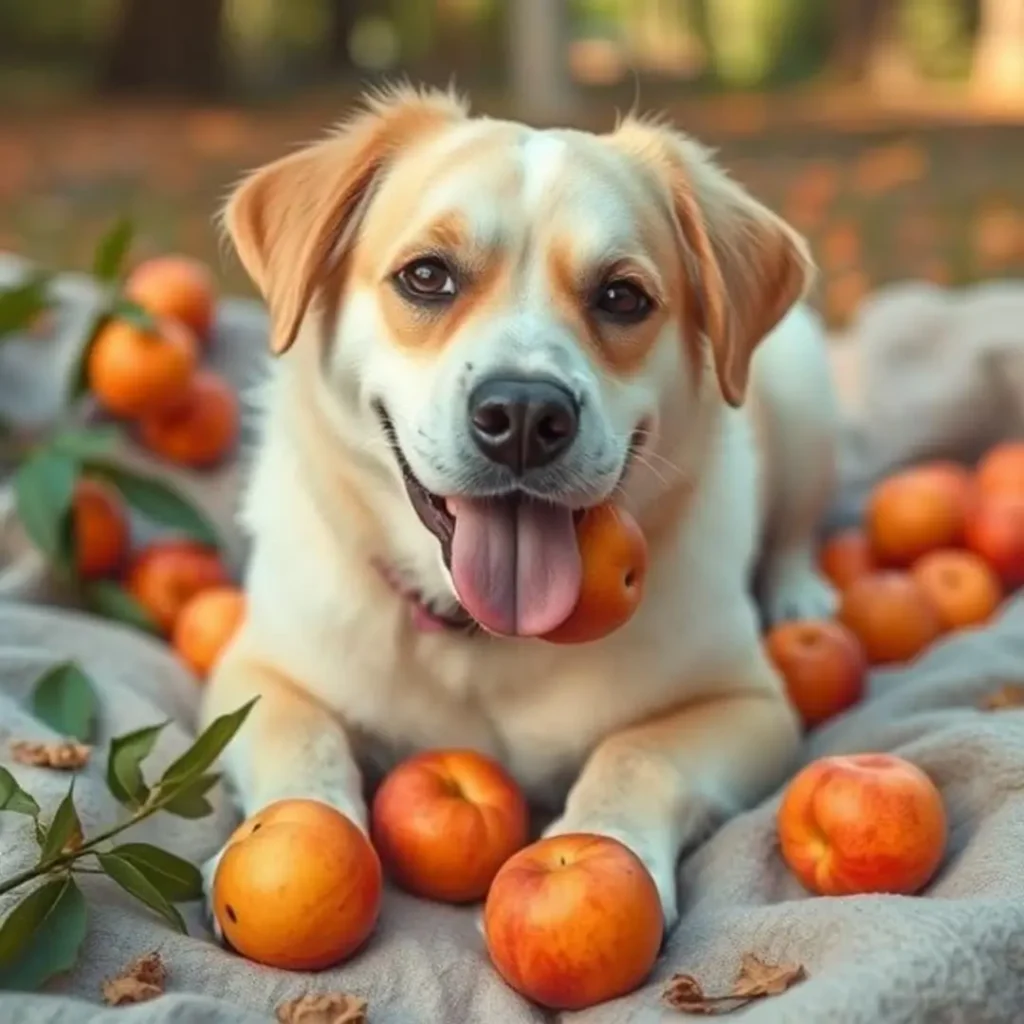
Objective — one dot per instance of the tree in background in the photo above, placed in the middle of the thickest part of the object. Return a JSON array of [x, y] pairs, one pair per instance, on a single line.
[[167, 48]]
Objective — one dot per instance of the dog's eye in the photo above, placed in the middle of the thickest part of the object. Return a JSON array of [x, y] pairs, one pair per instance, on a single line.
[[623, 301], [427, 278]]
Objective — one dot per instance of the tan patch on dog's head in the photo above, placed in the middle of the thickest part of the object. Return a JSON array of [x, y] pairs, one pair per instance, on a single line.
[[746, 267], [293, 219]]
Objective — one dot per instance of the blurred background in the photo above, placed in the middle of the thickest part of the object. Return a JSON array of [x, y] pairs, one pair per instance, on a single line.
[[890, 131]]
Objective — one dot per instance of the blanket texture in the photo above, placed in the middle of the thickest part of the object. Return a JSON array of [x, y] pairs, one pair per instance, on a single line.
[[924, 372]]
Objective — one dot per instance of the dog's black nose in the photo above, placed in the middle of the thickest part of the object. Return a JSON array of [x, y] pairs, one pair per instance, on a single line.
[[522, 423]]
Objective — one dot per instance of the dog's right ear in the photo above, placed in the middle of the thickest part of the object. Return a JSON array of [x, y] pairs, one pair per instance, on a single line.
[[292, 220]]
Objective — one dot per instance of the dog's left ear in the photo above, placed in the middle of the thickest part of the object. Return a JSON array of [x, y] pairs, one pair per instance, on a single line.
[[747, 267], [294, 219]]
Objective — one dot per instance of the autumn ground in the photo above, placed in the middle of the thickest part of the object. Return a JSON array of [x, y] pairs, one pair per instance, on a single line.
[[882, 200]]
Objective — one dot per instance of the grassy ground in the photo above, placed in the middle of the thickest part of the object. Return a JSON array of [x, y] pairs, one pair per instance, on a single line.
[[880, 201]]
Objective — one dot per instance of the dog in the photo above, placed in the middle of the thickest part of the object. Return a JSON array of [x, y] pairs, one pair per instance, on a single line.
[[485, 328]]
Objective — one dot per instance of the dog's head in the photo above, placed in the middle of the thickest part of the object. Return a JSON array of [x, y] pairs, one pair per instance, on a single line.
[[522, 314]]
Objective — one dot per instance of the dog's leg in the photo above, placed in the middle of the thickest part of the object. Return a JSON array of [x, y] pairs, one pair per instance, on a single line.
[[659, 787], [289, 747], [797, 414]]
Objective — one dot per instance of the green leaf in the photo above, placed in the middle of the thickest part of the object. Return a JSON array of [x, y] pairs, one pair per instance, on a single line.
[[78, 382], [64, 827], [64, 699], [112, 249], [134, 882], [42, 935], [206, 748], [191, 801], [177, 880], [161, 503], [134, 314], [14, 798], [20, 304], [112, 601], [44, 488], [124, 764], [87, 443]]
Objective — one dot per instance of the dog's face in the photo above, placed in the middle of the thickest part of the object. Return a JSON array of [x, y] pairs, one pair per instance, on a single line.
[[522, 314]]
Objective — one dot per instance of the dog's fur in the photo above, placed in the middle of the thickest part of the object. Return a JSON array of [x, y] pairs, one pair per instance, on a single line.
[[676, 719]]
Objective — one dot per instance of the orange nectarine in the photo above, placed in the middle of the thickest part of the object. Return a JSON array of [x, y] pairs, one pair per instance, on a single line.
[[995, 530], [961, 585], [445, 821], [99, 528], [298, 887], [573, 920], [846, 556], [205, 625], [862, 823]]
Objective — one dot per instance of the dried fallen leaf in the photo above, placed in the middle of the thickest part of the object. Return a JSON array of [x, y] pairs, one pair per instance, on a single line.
[[329, 1008], [67, 755], [756, 980], [143, 979], [1010, 695]]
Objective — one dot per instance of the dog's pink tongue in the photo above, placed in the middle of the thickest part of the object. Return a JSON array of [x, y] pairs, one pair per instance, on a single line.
[[515, 564]]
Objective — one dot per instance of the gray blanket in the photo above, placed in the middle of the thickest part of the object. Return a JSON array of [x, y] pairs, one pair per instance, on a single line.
[[924, 373]]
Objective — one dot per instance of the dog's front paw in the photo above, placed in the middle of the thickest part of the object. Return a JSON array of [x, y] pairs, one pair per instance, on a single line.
[[793, 588], [655, 852]]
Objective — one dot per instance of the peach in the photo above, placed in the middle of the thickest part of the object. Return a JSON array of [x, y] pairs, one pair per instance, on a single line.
[[995, 531], [205, 626], [298, 887], [891, 615], [846, 556], [917, 511], [961, 585], [176, 287], [822, 664], [1001, 470], [862, 823], [572, 921], [166, 575], [614, 556], [99, 528], [445, 821]]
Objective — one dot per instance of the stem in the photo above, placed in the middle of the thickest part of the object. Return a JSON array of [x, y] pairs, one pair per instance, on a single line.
[[66, 859]]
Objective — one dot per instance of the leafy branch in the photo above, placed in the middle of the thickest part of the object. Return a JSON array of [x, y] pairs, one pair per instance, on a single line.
[[51, 465], [43, 932]]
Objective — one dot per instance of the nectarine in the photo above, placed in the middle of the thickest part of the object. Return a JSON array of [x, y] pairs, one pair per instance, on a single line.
[[891, 615], [131, 371], [177, 287], [846, 556], [445, 821], [917, 511], [164, 576], [961, 585], [862, 823], [822, 664], [995, 531], [1001, 470], [573, 920], [613, 552], [99, 527], [206, 624], [298, 887]]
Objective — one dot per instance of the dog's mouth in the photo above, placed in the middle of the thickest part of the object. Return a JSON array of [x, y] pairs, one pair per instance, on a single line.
[[514, 559]]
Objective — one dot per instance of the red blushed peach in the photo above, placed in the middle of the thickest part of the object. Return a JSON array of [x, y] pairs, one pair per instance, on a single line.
[[572, 921], [862, 823], [445, 821]]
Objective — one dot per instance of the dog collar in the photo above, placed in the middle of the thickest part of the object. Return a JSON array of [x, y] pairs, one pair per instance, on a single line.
[[425, 618]]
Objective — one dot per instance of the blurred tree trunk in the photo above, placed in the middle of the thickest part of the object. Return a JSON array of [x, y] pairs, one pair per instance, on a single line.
[[538, 39], [344, 15], [855, 28], [167, 48], [998, 65]]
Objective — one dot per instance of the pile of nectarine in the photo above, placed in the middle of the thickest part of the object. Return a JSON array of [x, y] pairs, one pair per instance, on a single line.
[[939, 547], [150, 373]]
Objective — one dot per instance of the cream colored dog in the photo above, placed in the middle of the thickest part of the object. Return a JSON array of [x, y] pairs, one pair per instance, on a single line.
[[489, 328]]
